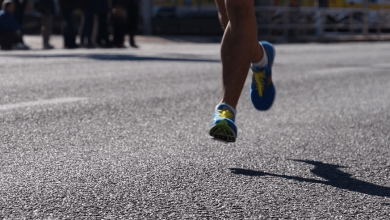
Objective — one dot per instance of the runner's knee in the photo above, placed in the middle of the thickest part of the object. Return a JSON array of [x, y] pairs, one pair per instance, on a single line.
[[240, 11], [222, 14]]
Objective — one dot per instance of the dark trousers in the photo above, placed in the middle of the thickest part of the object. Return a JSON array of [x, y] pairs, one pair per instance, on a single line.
[[20, 8], [132, 12], [120, 30], [68, 28], [87, 28], [131, 39], [8, 39], [46, 28], [102, 30]]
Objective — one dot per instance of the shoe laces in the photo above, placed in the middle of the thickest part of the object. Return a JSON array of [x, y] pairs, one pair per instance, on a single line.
[[260, 78], [224, 114]]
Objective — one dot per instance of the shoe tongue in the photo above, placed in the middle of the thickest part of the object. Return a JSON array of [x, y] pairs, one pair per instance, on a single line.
[[225, 107]]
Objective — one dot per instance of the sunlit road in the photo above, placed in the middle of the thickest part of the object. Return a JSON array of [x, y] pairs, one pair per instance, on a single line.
[[95, 134]]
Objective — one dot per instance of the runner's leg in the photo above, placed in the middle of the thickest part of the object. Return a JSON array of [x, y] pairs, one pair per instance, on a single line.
[[224, 20], [222, 13], [239, 49], [239, 46]]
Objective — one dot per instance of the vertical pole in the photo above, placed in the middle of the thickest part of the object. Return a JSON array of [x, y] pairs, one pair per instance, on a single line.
[[350, 21], [319, 22], [286, 21], [147, 16], [365, 17], [378, 21], [199, 18], [177, 22]]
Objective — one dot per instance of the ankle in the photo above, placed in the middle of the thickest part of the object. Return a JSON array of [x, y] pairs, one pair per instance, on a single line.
[[262, 62], [258, 54]]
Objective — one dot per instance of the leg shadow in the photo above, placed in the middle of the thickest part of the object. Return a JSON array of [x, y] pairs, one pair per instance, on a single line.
[[334, 177]]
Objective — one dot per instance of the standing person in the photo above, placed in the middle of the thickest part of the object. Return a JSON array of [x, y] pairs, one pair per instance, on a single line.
[[88, 7], [132, 12], [67, 8], [10, 30], [47, 9], [240, 51], [119, 22], [20, 8], [102, 10]]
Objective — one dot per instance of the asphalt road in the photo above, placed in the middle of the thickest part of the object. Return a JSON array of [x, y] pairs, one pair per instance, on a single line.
[[108, 134]]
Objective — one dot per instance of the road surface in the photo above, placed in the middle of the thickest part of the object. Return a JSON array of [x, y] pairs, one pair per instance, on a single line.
[[108, 134]]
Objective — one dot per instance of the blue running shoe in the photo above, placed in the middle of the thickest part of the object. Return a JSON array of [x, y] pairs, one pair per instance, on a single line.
[[223, 127], [262, 89]]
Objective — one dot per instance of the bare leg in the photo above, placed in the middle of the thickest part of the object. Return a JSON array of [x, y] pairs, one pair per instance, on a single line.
[[239, 46], [222, 13], [224, 20]]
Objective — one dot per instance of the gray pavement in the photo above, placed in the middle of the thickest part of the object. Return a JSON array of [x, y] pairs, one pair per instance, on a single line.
[[109, 134]]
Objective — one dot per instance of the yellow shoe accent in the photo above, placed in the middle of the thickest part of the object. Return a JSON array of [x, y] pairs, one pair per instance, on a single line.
[[225, 114], [259, 78]]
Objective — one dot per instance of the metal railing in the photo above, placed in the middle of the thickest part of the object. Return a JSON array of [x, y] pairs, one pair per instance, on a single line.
[[322, 24], [285, 23]]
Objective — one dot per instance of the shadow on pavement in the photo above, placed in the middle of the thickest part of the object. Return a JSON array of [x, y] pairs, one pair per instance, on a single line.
[[115, 57], [334, 177]]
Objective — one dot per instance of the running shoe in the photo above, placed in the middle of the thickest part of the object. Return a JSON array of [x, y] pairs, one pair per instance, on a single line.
[[262, 89], [223, 127]]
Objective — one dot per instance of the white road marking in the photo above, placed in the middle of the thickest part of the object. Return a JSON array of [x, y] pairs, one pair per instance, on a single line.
[[358, 69], [339, 70], [383, 65], [41, 102]]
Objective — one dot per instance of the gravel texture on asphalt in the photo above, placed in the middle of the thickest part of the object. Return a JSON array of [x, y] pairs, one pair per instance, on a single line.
[[109, 134]]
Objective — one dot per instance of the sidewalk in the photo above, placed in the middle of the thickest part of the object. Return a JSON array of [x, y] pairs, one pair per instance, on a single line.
[[35, 41]]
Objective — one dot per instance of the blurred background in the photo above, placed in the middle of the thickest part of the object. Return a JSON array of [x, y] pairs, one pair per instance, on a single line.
[[278, 20]]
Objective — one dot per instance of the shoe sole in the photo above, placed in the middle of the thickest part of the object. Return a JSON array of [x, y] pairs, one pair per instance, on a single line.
[[223, 132]]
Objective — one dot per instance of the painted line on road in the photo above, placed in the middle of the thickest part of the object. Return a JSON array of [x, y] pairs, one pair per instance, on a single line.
[[357, 69], [41, 102]]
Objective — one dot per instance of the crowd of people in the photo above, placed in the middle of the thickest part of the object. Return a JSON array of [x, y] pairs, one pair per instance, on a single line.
[[121, 15]]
